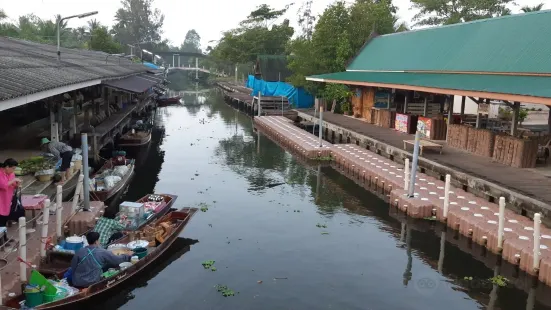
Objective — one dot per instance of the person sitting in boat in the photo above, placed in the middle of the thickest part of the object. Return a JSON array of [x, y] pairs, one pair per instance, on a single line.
[[61, 151], [109, 230], [89, 263]]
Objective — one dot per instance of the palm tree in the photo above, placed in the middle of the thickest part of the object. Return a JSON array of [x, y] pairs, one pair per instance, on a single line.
[[535, 8], [2, 14], [93, 24]]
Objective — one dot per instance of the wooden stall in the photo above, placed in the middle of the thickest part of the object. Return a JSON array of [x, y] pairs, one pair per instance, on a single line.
[[520, 153], [432, 128], [480, 141], [383, 117]]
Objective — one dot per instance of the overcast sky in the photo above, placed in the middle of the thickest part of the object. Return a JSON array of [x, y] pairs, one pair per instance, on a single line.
[[208, 17]]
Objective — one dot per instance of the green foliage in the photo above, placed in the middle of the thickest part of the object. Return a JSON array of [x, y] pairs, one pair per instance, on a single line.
[[192, 42], [527, 9], [101, 40], [443, 12], [138, 22], [499, 281]]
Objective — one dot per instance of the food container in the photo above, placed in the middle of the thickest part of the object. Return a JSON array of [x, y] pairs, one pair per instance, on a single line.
[[125, 265], [132, 209], [140, 252], [73, 243], [134, 259]]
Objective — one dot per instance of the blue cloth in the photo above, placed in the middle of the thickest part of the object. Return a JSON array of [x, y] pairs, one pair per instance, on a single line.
[[298, 97], [68, 275], [150, 65]]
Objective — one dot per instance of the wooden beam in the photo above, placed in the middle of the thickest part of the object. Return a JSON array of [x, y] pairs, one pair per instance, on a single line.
[[447, 91], [475, 100]]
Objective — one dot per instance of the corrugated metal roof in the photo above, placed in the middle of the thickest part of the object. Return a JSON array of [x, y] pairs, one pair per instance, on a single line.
[[536, 86], [515, 43], [29, 67], [135, 84]]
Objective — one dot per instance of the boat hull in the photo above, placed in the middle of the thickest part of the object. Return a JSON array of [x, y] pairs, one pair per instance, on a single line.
[[107, 196], [109, 286]]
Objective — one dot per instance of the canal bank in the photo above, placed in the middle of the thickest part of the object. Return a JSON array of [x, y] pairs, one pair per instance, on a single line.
[[278, 258], [526, 191]]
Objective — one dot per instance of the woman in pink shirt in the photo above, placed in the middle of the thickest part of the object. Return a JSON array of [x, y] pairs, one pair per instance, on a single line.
[[8, 183]]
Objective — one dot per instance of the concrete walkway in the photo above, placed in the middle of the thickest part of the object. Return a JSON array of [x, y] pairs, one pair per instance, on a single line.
[[527, 182]]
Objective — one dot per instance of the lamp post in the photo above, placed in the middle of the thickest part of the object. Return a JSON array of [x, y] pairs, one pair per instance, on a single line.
[[60, 19]]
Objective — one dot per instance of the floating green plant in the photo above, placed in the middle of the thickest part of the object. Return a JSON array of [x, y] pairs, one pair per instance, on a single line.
[[212, 268], [225, 290], [430, 218], [324, 158], [203, 207], [499, 281], [325, 233], [468, 278], [321, 225], [208, 264]]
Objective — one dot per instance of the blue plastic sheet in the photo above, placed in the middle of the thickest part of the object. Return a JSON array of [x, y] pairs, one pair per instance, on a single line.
[[298, 97]]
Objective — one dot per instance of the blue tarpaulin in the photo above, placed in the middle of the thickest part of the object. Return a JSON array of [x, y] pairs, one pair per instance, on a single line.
[[298, 97], [150, 65]]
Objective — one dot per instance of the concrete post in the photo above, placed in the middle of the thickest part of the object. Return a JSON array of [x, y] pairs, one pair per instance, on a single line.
[[414, 164], [537, 227], [320, 127], [23, 249], [447, 195], [501, 223], [60, 121], [406, 104], [85, 171], [44, 232], [196, 68], [58, 211], [406, 175]]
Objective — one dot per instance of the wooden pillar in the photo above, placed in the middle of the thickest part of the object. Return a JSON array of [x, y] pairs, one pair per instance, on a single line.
[[426, 107], [73, 120], [105, 95], [53, 125], [514, 121], [463, 106], [60, 118], [450, 109]]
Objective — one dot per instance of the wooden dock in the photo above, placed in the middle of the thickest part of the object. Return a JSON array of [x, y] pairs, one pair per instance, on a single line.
[[283, 131]]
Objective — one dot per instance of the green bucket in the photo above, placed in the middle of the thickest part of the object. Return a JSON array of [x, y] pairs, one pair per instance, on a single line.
[[140, 252], [33, 298]]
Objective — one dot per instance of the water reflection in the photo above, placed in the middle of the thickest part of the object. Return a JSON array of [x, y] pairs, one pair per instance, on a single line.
[[373, 257]]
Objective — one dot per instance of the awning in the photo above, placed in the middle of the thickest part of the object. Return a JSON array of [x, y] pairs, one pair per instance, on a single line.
[[135, 84], [532, 89]]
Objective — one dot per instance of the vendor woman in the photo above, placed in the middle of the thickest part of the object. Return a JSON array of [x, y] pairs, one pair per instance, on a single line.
[[61, 151], [89, 263], [8, 184]]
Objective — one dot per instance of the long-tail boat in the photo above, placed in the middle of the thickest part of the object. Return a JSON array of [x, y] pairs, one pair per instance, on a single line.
[[172, 224]]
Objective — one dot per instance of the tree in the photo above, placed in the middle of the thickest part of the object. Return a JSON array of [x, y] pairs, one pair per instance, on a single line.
[[306, 20], [101, 40], [192, 42], [445, 12], [527, 9], [138, 22], [93, 24], [263, 15]]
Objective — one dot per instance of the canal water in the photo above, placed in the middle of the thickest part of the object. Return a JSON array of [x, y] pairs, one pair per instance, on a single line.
[[288, 235]]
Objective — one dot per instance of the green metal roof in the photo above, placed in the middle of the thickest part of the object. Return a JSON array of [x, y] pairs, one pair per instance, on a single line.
[[515, 43], [536, 86]]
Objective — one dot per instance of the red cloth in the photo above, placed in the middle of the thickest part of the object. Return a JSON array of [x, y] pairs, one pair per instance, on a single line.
[[6, 192], [30, 202]]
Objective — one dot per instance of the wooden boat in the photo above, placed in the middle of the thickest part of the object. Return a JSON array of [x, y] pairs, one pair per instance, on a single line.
[[166, 101], [160, 209], [107, 195], [138, 138], [177, 221]]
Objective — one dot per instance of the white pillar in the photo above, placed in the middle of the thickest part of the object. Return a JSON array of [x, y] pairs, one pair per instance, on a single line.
[[45, 222], [406, 175], [447, 195], [58, 211], [23, 249], [501, 222], [537, 226], [411, 191], [320, 127], [85, 169], [196, 68], [77, 192], [259, 103]]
